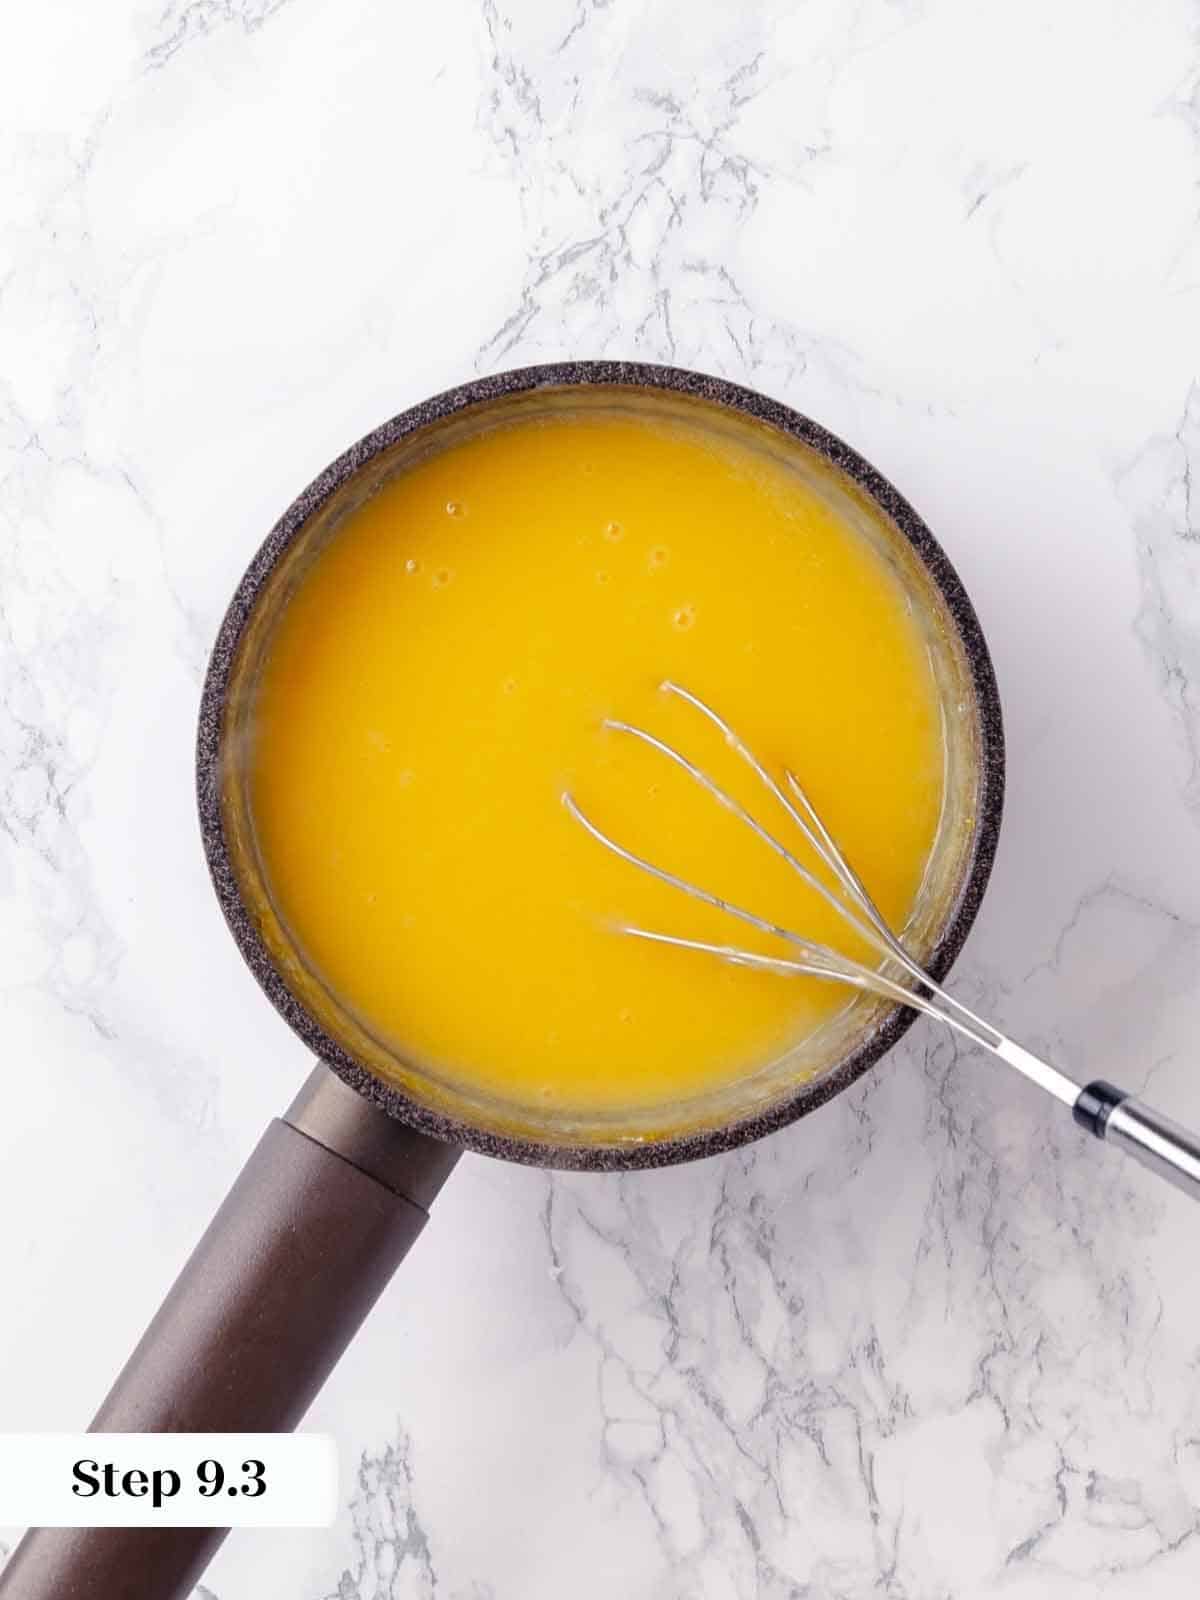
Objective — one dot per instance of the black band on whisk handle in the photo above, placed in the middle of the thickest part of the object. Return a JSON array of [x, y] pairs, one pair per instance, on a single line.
[[1155, 1141]]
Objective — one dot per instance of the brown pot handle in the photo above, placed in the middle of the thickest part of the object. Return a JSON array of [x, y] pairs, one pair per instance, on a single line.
[[319, 1218]]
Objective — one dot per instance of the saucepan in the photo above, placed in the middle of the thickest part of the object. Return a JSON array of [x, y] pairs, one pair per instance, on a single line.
[[337, 1190]]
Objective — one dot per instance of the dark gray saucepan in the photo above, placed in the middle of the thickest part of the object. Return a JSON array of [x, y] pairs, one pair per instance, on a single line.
[[337, 1190]]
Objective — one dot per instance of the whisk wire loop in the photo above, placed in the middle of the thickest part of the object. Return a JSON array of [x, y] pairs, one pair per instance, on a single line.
[[850, 899]]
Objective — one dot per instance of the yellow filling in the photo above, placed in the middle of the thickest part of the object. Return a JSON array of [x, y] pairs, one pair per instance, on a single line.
[[439, 680]]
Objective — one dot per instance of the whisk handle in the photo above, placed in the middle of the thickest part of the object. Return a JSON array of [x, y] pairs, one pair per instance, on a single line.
[[1155, 1141]]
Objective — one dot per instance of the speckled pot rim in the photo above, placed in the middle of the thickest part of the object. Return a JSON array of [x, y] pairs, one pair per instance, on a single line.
[[801, 1099]]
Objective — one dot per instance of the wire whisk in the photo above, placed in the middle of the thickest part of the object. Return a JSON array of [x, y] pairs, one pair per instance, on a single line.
[[1105, 1111]]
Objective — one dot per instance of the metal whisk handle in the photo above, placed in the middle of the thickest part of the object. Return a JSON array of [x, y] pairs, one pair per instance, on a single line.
[[1145, 1134]]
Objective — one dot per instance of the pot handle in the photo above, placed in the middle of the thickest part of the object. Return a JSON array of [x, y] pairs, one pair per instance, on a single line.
[[318, 1219]]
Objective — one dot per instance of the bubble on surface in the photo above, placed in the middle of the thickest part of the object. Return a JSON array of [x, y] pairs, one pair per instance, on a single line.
[[455, 508], [602, 577], [412, 565], [684, 617], [658, 558], [442, 577], [613, 531]]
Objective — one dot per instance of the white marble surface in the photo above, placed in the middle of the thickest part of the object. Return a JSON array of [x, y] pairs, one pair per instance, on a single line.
[[928, 1344]]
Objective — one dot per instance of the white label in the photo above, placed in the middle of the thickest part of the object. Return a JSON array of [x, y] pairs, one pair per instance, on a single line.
[[168, 1480]]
